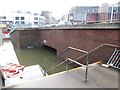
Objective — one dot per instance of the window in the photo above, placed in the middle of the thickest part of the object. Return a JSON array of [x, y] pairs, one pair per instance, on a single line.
[[35, 13], [28, 12], [22, 22], [16, 18], [16, 22], [36, 23], [35, 18], [19, 11], [22, 18], [4, 17]]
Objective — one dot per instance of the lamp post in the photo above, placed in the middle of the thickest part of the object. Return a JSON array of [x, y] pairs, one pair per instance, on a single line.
[[111, 14], [85, 17], [119, 11]]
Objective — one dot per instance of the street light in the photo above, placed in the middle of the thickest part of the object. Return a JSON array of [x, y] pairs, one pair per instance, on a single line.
[[111, 19]]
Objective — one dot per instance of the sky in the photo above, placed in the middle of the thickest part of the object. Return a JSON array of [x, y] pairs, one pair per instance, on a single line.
[[57, 7]]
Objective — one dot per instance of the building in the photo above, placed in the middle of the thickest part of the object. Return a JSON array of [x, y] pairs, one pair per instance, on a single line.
[[1, 33], [7, 20], [54, 21], [23, 19], [78, 14], [48, 16], [64, 20], [3, 19], [38, 20], [108, 13], [95, 14]]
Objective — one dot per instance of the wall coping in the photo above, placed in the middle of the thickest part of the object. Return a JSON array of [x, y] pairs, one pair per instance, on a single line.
[[96, 26]]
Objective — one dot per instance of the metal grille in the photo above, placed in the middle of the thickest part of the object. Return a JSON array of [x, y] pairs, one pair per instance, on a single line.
[[114, 60]]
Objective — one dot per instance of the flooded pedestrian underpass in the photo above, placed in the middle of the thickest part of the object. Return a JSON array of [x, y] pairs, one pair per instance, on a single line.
[[42, 56]]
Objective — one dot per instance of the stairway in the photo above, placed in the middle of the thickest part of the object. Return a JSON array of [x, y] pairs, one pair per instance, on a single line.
[[114, 60]]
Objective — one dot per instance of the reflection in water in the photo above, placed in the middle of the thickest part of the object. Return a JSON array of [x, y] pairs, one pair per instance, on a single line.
[[41, 56]]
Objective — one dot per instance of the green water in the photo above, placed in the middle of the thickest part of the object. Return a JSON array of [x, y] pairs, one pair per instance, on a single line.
[[41, 56]]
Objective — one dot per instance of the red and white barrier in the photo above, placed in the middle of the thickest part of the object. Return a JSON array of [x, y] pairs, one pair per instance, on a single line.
[[11, 69], [5, 35]]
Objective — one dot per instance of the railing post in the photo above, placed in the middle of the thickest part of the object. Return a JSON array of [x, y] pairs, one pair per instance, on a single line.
[[52, 67], [43, 72], [87, 62], [67, 66]]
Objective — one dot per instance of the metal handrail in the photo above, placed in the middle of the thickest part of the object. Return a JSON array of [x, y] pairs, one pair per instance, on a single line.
[[72, 48], [69, 59], [75, 61], [56, 57], [76, 49], [57, 65], [111, 45]]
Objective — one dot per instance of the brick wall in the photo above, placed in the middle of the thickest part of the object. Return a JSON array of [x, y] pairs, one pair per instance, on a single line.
[[61, 39]]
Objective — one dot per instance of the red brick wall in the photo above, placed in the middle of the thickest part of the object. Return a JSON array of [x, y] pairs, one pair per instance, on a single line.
[[82, 39], [15, 36], [28, 38]]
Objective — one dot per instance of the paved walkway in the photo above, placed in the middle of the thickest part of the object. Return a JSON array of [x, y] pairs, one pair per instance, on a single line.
[[7, 54], [98, 77]]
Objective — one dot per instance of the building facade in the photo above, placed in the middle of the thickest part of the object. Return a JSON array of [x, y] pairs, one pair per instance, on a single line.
[[109, 13], [78, 14], [48, 16], [28, 19], [95, 14], [23, 19], [38, 20]]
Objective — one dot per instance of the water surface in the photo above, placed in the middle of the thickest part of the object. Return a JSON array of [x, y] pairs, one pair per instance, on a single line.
[[41, 56]]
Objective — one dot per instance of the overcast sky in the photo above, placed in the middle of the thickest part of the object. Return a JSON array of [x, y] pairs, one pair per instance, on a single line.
[[57, 7]]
